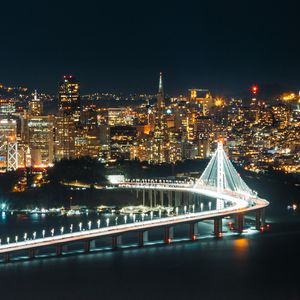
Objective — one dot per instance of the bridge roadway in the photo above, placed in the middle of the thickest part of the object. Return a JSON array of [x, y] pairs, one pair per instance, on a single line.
[[240, 205]]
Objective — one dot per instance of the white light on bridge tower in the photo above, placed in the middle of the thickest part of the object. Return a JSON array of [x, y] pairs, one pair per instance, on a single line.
[[220, 173]]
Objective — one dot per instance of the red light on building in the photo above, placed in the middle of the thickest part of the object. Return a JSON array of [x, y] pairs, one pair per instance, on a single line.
[[254, 89], [194, 237], [169, 241]]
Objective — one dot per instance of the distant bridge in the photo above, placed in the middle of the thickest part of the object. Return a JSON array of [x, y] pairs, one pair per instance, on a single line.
[[219, 180]]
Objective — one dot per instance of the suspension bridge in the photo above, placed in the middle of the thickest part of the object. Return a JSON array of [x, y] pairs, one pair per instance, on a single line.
[[219, 181]]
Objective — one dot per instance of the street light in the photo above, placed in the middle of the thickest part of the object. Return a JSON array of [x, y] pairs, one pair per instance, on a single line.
[[34, 235], [43, 233], [80, 226], [98, 223], [89, 224], [52, 232], [62, 230], [7, 240], [16, 238], [71, 228]]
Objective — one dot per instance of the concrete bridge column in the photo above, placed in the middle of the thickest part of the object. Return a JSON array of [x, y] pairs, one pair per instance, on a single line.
[[58, 250], [260, 218], [142, 238], [150, 198], [161, 195], [193, 231], [116, 241], [31, 253], [218, 227], [169, 198], [88, 245], [137, 194], [154, 192], [168, 234], [239, 223], [144, 196], [6, 257]]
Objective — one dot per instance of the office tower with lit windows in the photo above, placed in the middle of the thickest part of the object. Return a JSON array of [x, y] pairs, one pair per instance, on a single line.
[[35, 106], [39, 136], [158, 142], [68, 120], [8, 145]]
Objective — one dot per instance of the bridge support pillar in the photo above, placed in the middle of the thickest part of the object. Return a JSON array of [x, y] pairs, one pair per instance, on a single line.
[[169, 198], [193, 231], [143, 238], [218, 227], [144, 196], [168, 234], [161, 194], [239, 223], [58, 250], [116, 242], [260, 219], [31, 253], [6, 257], [88, 245], [150, 198], [154, 193]]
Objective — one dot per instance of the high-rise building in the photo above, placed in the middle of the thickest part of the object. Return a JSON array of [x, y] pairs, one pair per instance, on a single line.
[[68, 118], [158, 143], [69, 97], [40, 139], [35, 106]]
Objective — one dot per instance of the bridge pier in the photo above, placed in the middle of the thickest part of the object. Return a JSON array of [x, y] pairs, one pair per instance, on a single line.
[[142, 238], [260, 218], [6, 257], [116, 242], [218, 227], [150, 198], [88, 245], [154, 192], [58, 250], [161, 195], [239, 223], [169, 198], [168, 234], [144, 196], [31, 253], [193, 231]]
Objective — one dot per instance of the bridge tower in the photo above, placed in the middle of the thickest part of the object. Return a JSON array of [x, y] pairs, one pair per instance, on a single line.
[[220, 173]]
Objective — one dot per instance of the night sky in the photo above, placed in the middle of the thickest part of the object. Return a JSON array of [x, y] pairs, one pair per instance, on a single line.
[[121, 46]]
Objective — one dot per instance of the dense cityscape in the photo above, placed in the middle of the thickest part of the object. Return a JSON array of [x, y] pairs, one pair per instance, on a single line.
[[259, 134]]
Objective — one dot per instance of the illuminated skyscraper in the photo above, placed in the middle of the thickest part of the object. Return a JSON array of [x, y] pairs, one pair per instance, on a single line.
[[158, 143], [69, 97], [35, 106], [68, 118]]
